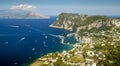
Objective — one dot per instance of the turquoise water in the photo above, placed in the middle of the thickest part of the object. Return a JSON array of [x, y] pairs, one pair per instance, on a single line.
[[24, 40], [70, 40]]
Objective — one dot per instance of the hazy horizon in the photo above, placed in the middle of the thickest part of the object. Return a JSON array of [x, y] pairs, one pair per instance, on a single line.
[[55, 7]]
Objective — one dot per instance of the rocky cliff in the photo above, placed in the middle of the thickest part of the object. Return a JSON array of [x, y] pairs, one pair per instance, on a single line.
[[76, 22]]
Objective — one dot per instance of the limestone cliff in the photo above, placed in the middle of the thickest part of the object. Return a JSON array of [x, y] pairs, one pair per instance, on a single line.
[[76, 22]]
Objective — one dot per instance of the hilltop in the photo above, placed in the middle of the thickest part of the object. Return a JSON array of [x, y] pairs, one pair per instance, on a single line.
[[76, 22]]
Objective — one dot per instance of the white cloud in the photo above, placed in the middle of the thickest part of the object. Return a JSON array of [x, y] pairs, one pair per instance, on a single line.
[[22, 7]]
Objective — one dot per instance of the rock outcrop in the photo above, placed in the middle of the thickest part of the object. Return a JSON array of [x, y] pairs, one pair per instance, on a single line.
[[76, 22]]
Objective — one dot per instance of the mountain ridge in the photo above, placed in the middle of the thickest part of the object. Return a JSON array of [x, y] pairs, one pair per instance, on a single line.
[[78, 23], [21, 14]]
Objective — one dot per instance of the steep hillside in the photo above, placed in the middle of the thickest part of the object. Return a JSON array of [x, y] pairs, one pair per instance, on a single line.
[[76, 22], [100, 42]]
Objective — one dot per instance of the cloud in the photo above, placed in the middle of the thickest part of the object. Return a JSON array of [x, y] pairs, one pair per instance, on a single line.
[[22, 7]]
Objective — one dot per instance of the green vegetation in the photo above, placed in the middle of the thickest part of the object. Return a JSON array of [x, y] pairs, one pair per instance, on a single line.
[[108, 43], [77, 59], [79, 20], [59, 63], [99, 45], [83, 32]]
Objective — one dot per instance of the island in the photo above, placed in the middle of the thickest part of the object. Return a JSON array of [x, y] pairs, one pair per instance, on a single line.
[[21, 14], [99, 42]]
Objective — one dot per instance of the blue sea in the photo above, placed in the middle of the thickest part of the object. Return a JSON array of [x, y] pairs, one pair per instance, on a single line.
[[24, 40]]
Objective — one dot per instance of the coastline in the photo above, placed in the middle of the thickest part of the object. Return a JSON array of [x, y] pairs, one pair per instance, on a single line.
[[62, 38], [93, 50], [38, 62], [61, 27], [55, 26]]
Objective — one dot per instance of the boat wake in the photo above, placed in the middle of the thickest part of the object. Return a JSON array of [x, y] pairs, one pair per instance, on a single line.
[[22, 39], [5, 43], [14, 26]]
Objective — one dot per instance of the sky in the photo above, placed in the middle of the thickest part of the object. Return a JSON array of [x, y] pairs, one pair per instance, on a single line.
[[55, 7]]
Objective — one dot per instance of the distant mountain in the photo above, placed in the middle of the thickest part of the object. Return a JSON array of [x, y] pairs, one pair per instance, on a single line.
[[36, 15], [21, 14]]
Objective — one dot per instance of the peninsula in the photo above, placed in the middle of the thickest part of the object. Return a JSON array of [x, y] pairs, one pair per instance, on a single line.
[[99, 42]]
